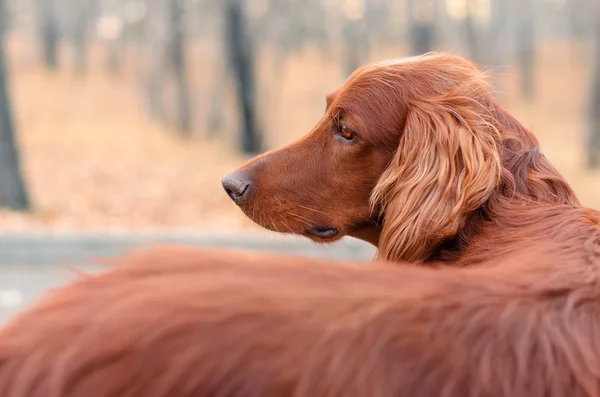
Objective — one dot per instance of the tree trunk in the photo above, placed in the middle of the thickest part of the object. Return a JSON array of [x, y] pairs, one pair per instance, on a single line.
[[472, 34], [12, 189], [422, 25], [48, 30], [241, 61], [526, 48], [496, 41], [113, 59], [356, 44], [80, 46], [155, 33], [79, 34], [178, 65], [216, 115], [593, 150]]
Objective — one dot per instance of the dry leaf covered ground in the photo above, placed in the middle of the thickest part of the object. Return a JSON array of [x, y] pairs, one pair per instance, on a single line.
[[94, 162]]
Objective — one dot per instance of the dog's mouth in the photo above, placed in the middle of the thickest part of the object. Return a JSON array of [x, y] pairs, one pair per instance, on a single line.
[[323, 232]]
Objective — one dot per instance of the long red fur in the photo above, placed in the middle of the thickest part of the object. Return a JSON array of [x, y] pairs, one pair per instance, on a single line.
[[181, 322]]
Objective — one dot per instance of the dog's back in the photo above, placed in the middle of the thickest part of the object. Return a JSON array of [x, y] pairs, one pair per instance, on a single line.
[[182, 322]]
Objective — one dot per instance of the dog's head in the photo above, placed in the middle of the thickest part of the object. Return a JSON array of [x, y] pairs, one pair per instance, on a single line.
[[406, 151]]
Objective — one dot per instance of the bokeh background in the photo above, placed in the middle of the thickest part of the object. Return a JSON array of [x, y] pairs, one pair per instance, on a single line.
[[118, 118]]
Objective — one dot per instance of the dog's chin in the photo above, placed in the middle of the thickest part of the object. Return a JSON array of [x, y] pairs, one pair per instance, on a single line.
[[318, 234], [324, 234]]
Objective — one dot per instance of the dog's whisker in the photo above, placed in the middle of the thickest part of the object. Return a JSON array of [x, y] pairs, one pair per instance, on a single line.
[[301, 219], [273, 223], [285, 224], [311, 209]]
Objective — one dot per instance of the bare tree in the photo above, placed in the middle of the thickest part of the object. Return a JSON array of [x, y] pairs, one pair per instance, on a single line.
[[81, 15], [177, 49], [593, 149], [48, 31], [241, 62], [526, 47], [577, 14], [422, 25], [210, 15], [283, 27], [355, 36], [216, 119], [12, 189], [155, 33], [472, 36], [497, 32], [109, 29]]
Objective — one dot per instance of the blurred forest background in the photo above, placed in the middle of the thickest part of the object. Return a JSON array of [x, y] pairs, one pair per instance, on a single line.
[[122, 115]]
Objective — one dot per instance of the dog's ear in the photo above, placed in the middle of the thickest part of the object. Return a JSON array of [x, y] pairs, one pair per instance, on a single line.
[[446, 166]]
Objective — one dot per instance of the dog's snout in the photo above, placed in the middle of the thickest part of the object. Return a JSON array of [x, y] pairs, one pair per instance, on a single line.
[[237, 185]]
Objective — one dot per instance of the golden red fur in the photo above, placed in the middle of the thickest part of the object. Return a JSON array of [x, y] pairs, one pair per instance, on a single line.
[[177, 322], [414, 156]]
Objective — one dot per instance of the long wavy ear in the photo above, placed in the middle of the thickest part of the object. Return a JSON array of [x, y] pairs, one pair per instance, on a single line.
[[447, 165]]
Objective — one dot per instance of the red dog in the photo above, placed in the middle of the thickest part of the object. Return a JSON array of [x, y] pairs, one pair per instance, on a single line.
[[416, 157], [441, 173], [189, 323]]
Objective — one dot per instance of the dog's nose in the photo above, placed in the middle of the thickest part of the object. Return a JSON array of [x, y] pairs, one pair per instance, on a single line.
[[237, 185]]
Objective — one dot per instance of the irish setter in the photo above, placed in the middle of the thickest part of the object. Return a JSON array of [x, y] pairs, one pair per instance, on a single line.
[[418, 158], [180, 322], [413, 156]]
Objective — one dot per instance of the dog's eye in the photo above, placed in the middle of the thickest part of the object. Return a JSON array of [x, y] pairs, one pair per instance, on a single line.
[[347, 133]]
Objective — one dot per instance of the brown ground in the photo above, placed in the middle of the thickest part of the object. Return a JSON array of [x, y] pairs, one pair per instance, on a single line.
[[94, 162]]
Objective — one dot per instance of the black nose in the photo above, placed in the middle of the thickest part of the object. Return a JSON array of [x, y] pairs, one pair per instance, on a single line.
[[237, 185]]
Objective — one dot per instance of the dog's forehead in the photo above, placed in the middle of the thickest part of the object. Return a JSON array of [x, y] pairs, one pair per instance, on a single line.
[[329, 98]]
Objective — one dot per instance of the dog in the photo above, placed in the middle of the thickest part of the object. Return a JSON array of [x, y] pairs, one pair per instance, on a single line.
[[416, 157]]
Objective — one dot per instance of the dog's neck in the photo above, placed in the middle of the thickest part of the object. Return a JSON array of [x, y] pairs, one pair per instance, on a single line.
[[514, 227], [527, 174], [530, 190], [369, 231], [527, 179]]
